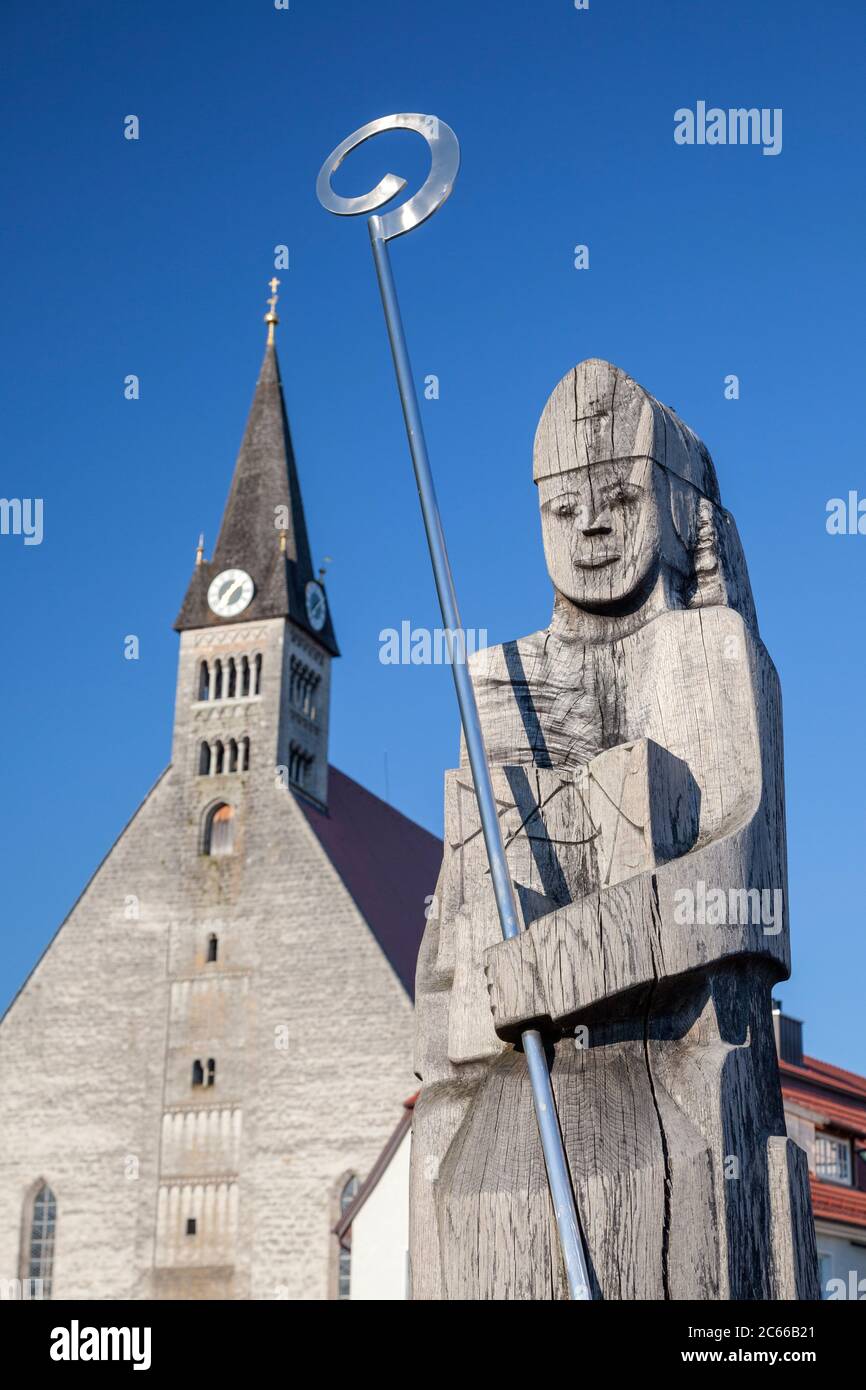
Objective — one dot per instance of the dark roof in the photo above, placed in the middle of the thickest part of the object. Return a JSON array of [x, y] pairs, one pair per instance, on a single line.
[[265, 477], [343, 1228], [388, 863]]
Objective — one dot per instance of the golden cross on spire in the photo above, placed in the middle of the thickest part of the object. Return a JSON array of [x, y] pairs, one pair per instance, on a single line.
[[271, 317]]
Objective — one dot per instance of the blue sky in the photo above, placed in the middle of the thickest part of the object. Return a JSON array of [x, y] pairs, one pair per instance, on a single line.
[[152, 257]]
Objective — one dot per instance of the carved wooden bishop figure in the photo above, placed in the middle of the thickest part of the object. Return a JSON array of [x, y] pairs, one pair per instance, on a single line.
[[636, 754]]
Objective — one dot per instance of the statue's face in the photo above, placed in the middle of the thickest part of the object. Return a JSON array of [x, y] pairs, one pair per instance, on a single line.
[[602, 528]]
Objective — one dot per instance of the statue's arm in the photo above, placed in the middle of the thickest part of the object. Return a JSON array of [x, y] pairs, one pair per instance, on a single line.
[[604, 945], [635, 928]]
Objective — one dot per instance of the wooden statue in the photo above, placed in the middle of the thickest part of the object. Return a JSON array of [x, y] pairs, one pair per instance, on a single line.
[[636, 752]]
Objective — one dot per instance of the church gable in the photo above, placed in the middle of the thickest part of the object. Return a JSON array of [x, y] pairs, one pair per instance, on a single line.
[[81, 1057], [116, 894], [176, 1071]]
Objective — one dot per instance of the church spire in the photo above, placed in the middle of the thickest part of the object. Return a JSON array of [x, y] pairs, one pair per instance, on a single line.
[[263, 530]]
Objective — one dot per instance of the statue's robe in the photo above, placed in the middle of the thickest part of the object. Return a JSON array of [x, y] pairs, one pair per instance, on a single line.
[[626, 772]]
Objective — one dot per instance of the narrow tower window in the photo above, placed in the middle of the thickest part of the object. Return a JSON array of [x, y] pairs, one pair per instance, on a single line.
[[40, 1256], [233, 678], [258, 680], [211, 1071], [233, 755], [203, 681], [245, 675], [212, 945], [219, 757], [190, 1225], [204, 760], [219, 835], [245, 755], [217, 679], [300, 765], [303, 684], [197, 1073]]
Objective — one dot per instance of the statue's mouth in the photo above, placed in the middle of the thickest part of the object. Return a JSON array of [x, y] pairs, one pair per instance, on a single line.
[[597, 562]]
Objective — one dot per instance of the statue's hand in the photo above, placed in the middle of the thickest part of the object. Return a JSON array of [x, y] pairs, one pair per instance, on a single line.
[[645, 807], [601, 946], [515, 987]]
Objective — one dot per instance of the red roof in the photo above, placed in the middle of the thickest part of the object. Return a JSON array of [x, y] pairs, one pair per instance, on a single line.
[[388, 863], [839, 1097], [838, 1114], [834, 1202], [823, 1074]]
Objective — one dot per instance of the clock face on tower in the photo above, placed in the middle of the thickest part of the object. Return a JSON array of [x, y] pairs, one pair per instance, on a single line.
[[317, 605], [230, 593]]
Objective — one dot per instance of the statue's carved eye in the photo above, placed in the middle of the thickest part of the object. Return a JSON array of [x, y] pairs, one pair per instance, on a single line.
[[565, 506], [622, 494]]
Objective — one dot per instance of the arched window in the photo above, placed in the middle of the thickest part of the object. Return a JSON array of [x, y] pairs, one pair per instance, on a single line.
[[213, 940], [303, 684], [300, 765], [344, 1273], [233, 679], [204, 760], [39, 1258], [257, 688], [245, 755], [245, 675], [219, 835], [233, 755], [197, 1073], [219, 757], [203, 681]]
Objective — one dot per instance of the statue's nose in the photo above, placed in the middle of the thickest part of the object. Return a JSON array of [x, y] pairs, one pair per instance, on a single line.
[[599, 525]]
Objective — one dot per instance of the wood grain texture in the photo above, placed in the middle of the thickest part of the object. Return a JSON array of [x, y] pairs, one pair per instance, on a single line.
[[636, 756]]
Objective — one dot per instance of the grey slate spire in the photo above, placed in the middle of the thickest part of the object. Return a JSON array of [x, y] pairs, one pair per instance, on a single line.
[[265, 479]]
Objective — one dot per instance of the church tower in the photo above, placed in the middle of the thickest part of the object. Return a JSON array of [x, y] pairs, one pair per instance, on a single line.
[[208, 1057], [257, 639]]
